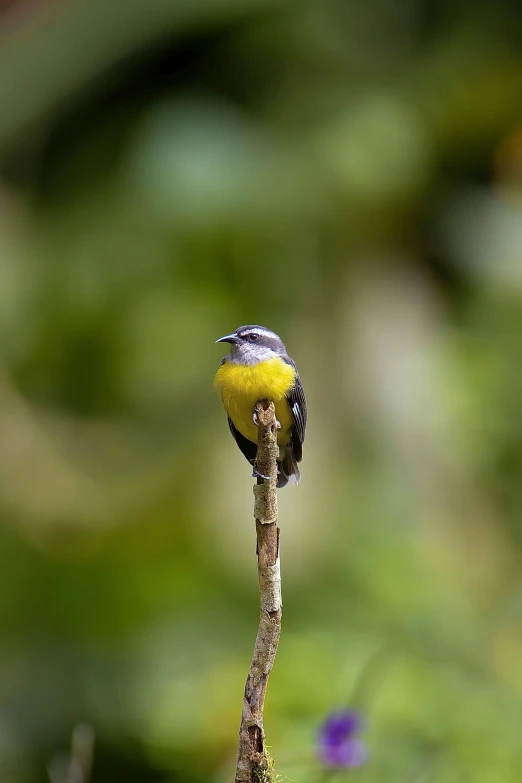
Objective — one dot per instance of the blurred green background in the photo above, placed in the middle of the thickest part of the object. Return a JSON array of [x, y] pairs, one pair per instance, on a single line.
[[348, 173]]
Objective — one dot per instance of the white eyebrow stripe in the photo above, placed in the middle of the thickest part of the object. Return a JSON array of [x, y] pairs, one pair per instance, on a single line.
[[260, 332]]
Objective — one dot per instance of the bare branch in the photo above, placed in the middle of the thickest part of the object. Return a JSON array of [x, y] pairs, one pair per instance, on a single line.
[[253, 761]]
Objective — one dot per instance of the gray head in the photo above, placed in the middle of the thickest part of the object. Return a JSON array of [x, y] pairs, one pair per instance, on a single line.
[[252, 344]]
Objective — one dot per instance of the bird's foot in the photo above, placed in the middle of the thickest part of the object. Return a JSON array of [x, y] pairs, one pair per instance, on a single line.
[[256, 473], [256, 420]]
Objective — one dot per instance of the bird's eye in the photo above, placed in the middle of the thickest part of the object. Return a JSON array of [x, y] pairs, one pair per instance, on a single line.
[[253, 336]]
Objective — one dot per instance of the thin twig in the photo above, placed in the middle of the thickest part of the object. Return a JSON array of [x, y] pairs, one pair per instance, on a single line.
[[77, 767], [253, 761]]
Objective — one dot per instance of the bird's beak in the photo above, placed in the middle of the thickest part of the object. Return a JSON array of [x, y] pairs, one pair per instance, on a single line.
[[228, 338]]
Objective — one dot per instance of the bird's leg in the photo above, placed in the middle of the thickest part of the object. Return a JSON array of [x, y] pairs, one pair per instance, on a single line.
[[255, 472]]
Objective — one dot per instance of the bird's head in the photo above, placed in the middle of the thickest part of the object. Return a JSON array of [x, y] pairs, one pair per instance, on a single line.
[[252, 344]]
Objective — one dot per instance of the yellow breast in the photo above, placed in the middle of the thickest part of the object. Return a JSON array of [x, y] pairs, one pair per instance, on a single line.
[[241, 386]]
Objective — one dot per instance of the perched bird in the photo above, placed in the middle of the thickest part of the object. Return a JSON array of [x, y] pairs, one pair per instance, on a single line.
[[259, 368]]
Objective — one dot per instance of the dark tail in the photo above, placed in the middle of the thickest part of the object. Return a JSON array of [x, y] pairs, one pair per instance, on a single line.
[[288, 470]]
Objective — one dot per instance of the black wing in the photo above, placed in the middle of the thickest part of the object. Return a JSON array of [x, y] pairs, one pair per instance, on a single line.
[[248, 448], [297, 403]]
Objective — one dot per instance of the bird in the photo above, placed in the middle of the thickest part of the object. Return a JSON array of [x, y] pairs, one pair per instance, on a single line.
[[257, 368]]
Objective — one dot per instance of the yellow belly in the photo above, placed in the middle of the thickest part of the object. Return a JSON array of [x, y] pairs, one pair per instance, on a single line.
[[241, 386]]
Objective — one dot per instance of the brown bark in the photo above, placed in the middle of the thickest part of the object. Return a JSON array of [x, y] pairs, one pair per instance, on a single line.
[[253, 761]]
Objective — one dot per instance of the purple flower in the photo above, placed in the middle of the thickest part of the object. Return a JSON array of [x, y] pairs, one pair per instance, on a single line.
[[338, 745]]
